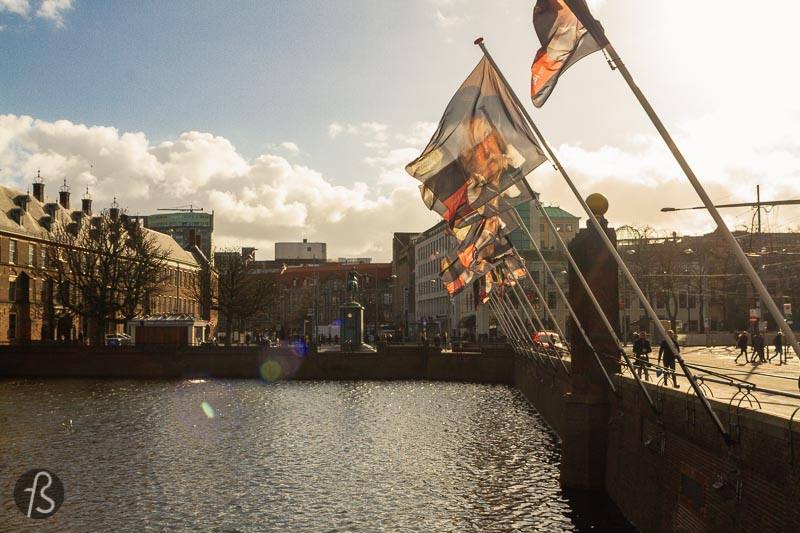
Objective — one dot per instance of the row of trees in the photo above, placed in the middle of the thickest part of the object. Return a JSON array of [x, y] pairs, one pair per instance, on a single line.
[[704, 269]]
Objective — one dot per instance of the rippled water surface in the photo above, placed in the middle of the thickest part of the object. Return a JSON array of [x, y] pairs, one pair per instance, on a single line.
[[247, 456]]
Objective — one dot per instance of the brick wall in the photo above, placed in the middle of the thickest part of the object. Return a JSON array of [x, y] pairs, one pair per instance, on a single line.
[[674, 472]]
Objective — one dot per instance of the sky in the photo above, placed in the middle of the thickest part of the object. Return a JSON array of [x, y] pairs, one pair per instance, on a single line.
[[294, 119]]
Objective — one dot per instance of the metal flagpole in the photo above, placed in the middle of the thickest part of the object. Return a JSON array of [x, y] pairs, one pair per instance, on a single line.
[[612, 249], [766, 297], [513, 324], [523, 298], [520, 323], [501, 317], [520, 330], [585, 284], [510, 331], [502, 324], [572, 311]]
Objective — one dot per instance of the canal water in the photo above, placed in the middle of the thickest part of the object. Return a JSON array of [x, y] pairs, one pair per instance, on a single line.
[[309, 456]]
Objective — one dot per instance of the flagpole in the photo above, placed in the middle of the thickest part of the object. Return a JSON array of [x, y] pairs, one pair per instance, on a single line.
[[519, 324], [612, 249], [503, 326], [766, 297], [569, 306], [511, 329], [523, 298]]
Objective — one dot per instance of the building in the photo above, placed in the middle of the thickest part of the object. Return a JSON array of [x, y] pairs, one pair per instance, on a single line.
[[188, 228], [696, 284], [301, 252], [310, 295], [30, 305], [403, 263], [459, 316]]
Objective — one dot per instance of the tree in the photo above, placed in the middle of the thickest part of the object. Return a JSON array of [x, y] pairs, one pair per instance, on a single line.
[[242, 292], [104, 269]]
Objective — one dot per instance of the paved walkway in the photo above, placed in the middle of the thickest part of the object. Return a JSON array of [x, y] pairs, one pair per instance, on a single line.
[[720, 360]]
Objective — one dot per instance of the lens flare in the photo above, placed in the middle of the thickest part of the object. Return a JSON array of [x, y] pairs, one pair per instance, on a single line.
[[271, 370], [207, 409]]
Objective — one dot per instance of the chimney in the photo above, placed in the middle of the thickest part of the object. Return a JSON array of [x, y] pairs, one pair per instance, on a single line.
[[86, 203], [63, 195], [38, 187], [113, 212]]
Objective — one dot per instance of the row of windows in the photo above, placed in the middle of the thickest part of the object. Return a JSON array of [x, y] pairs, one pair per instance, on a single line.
[[173, 304]]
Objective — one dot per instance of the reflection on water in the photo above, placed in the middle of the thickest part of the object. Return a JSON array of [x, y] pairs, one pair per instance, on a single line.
[[248, 456]]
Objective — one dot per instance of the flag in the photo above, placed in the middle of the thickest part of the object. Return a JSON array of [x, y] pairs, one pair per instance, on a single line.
[[565, 41], [482, 247], [513, 268], [481, 149]]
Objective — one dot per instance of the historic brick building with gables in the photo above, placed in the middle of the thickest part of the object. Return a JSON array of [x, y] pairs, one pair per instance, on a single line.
[[29, 306]]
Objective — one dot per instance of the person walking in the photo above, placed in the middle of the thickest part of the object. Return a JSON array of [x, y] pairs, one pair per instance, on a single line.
[[742, 343], [758, 348], [666, 351], [641, 347], [778, 342]]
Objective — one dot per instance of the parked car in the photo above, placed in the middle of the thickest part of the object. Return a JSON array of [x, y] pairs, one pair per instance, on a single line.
[[549, 338], [118, 339]]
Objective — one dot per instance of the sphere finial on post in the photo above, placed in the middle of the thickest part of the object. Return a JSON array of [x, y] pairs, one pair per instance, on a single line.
[[598, 204]]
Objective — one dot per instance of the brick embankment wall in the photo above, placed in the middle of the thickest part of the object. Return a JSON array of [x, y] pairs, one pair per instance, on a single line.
[[60, 361], [674, 472]]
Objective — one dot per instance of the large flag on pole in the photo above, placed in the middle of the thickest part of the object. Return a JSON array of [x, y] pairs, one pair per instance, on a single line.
[[565, 41], [481, 149]]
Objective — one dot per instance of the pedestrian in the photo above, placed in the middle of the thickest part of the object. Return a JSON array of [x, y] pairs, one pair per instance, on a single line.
[[742, 343], [669, 354], [641, 347], [779, 348], [758, 348]]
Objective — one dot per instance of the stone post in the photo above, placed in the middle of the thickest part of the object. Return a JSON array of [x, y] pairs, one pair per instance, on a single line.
[[585, 439]]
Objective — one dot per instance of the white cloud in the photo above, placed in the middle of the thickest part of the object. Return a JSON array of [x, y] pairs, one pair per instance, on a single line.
[[447, 22], [18, 7], [262, 200], [334, 129], [54, 10], [290, 147]]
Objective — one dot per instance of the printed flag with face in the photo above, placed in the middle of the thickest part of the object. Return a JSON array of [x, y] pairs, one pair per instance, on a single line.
[[565, 41], [481, 150]]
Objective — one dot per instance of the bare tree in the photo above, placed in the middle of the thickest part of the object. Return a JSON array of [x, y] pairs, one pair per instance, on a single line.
[[104, 269], [242, 293]]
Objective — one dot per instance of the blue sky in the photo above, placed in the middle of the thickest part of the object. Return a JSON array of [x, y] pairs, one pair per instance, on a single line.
[[173, 101]]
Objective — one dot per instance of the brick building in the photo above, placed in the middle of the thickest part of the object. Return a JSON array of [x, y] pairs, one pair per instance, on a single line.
[[311, 295], [29, 307]]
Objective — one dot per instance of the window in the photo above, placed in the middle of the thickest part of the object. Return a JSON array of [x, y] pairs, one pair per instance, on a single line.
[[12, 251], [12, 290], [43, 260], [31, 254]]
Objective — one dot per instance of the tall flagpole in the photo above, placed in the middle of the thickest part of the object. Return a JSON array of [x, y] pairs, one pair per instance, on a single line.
[[583, 14], [764, 294], [612, 249]]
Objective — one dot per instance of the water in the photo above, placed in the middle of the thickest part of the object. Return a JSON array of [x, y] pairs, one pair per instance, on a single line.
[[321, 456]]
